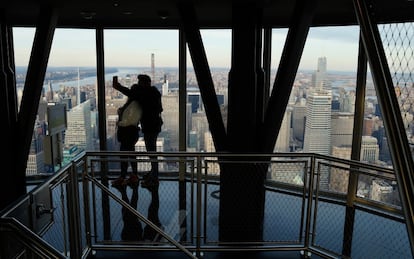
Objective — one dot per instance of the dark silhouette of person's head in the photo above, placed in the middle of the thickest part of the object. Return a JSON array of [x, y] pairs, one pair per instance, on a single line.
[[144, 80]]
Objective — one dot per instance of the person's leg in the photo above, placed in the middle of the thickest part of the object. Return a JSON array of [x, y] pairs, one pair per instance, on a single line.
[[120, 181], [151, 146], [124, 160], [133, 178], [132, 159]]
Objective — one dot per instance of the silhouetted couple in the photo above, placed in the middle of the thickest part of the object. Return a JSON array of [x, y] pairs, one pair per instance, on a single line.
[[149, 120]]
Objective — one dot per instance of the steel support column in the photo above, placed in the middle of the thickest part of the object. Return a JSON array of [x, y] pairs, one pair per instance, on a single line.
[[100, 73], [242, 192], [31, 93], [8, 109], [191, 30], [286, 73]]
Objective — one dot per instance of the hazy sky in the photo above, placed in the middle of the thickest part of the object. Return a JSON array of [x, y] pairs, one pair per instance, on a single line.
[[133, 48]]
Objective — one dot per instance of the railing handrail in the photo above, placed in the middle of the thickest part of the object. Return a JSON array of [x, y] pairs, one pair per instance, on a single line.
[[326, 160], [29, 238], [227, 154]]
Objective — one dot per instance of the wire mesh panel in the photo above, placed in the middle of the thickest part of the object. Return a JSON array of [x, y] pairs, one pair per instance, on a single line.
[[304, 207], [328, 227], [167, 205], [283, 218], [283, 212], [379, 237], [398, 41], [368, 233], [58, 234]]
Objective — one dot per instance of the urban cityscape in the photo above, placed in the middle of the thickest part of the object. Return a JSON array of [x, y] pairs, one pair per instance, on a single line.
[[318, 119]]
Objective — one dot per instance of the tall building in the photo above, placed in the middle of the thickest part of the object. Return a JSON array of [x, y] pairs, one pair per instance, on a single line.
[[318, 122], [317, 137], [200, 125], [319, 76], [35, 162], [369, 149], [342, 128], [112, 142], [153, 67], [282, 143], [170, 118], [79, 131], [164, 88], [298, 119], [347, 101]]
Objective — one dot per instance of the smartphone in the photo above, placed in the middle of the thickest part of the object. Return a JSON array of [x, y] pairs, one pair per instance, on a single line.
[[115, 79]]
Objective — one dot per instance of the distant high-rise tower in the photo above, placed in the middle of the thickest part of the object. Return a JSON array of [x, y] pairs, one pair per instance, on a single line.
[[50, 94], [317, 137], [153, 67], [319, 77], [165, 86], [78, 93]]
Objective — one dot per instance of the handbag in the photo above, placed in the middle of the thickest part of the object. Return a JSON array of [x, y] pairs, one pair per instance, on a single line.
[[131, 114]]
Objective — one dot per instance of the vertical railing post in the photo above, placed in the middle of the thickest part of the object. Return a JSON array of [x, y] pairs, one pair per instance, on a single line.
[[198, 208], [309, 207], [86, 204], [74, 213]]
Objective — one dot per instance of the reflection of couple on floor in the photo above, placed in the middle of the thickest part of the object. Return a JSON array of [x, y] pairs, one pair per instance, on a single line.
[[132, 229]]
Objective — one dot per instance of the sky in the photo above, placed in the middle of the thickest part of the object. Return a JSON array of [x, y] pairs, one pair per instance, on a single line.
[[133, 48]]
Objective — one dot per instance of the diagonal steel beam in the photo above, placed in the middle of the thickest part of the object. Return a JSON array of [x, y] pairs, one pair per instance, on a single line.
[[397, 138], [288, 66], [33, 85], [203, 74]]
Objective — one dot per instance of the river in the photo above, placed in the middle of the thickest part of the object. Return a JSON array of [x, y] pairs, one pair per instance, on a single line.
[[91, 80]]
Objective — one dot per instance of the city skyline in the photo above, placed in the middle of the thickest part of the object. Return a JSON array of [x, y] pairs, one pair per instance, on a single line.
[[133, 48]]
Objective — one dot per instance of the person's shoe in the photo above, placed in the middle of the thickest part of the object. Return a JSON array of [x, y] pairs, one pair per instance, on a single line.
[[149, 182], [119, 182], [133, 180]]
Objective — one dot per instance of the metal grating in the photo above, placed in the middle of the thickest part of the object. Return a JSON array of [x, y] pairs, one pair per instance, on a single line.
[[398, 39]]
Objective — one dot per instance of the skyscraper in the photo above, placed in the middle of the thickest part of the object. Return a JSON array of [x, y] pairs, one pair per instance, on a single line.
[[298, 119], [317, 137], [79, 130], [35, 162], [170, 117], [318, 122], [282, 143], [369, 149], [342, 128], [319, 76]]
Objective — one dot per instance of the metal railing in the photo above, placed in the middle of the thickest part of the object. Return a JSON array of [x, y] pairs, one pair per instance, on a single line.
[[306, 208]]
